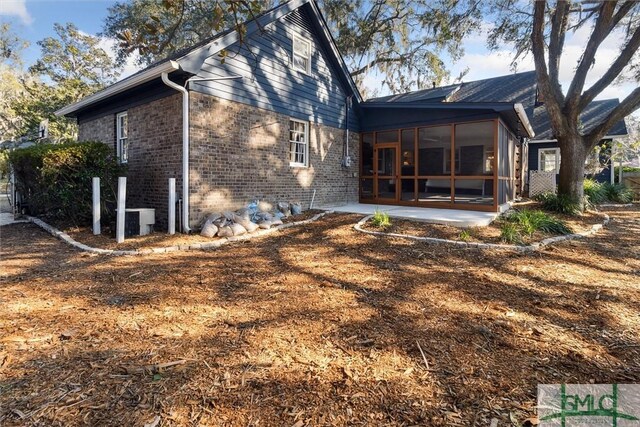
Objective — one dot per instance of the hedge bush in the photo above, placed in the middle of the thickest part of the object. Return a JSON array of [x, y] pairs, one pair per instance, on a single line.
[[55, 179]]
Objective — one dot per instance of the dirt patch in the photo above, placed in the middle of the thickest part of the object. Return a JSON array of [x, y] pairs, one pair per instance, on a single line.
[[488, 234], [316, 325], [157, 239]]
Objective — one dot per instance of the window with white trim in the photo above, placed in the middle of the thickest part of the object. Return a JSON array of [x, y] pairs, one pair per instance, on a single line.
[[549, 160], [301, 54], [122, 144], [298, 143]]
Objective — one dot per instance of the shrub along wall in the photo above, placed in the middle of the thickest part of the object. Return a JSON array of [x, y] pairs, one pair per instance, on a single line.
[[55, 179]]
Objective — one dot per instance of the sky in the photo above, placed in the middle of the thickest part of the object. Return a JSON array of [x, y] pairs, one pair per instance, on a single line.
[[33, 20]]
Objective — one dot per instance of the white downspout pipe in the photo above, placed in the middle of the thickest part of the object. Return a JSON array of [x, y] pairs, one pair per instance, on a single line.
[[185, 150]]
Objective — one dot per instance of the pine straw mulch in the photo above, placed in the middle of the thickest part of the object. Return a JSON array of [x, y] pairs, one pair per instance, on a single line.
[[157, 239], [488, 234], [317, 325]]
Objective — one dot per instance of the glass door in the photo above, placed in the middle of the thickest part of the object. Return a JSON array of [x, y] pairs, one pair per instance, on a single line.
[[386, 179]]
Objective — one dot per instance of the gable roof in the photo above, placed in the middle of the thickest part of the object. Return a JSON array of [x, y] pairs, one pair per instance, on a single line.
[[592, 116], [513, 88], [190, 59]]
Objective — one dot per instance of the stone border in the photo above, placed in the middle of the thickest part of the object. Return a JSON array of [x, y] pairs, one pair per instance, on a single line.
[[523, 249], [615, 205], [194, 246]]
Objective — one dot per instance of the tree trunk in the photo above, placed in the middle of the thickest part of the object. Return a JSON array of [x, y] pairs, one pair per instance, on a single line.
[[573, 154]]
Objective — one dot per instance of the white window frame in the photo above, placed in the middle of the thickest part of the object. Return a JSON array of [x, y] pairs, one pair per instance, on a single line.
[[296, 38], [122, 142], [293, 141], [558, 159]]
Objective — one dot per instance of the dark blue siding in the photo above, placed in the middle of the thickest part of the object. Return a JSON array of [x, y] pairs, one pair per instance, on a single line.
[[534, 148], [394, 118], [271, 83]]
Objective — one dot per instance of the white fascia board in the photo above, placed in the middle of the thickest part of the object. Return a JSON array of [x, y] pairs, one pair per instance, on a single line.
[[524, 119], [121, 86]]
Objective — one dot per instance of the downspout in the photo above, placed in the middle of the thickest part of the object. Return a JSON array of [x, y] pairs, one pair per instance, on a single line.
[[185, 150], [347, 158]]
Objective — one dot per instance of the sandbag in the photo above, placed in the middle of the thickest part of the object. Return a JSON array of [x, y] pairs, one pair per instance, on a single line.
[[242, 220], [265, 224], [237, 229], [225, 231], [243, 213], [209, 229], [276, 221], [229, 215], [265, 206], [296, 208], [284, 208], [251, 227], [220, 222], [212, 217]]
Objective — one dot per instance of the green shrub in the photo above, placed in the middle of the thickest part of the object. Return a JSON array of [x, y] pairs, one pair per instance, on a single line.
[[560, 203], [617, 193], [465, 235], [509, 233], [529, 221], [55, 179], [594, 192], [381, 219]]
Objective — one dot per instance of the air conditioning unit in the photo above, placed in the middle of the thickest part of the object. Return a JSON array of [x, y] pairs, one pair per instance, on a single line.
[[139, 222]]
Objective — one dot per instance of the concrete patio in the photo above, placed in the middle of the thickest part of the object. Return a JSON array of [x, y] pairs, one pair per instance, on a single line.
[[454, 217]]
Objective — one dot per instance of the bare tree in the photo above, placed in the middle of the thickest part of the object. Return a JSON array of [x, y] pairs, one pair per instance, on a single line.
[[545, 28]]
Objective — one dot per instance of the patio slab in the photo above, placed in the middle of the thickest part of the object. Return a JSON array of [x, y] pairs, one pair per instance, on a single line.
[[454, 217]]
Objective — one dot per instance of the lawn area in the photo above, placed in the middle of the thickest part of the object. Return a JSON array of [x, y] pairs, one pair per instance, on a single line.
[[315, 325]]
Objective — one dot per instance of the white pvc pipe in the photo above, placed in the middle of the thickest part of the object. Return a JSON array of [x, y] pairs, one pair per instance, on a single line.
[[122, 196], [172, 206], [185, 150], [96, 205]]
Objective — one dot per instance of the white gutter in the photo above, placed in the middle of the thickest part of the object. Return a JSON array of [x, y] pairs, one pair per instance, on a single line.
[[185, 149], [522, 115], [121, 86]]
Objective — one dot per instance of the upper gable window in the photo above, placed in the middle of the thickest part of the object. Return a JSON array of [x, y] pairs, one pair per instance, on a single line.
[[301, 54]]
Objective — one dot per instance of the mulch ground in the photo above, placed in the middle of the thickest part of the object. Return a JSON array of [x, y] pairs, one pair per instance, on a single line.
[[317, 325], [157, 239], [488, 234]]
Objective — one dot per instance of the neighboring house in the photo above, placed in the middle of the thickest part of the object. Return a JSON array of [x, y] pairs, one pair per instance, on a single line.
[[544, 152], [281, 119]]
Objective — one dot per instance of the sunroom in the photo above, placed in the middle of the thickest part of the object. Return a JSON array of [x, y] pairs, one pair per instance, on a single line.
[[442, 156]]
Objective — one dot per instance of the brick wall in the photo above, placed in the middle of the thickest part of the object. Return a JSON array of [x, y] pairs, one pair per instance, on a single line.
[[155, 155], [240, 153], [155, 151], [100, 129]]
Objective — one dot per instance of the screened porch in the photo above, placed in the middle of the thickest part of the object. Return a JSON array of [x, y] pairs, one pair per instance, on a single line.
[[462, 165]]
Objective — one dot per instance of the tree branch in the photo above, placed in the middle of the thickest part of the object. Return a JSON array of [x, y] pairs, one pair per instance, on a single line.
[[556, 43], [616, 68], [553, 97], [601, 30], [626, 107]]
